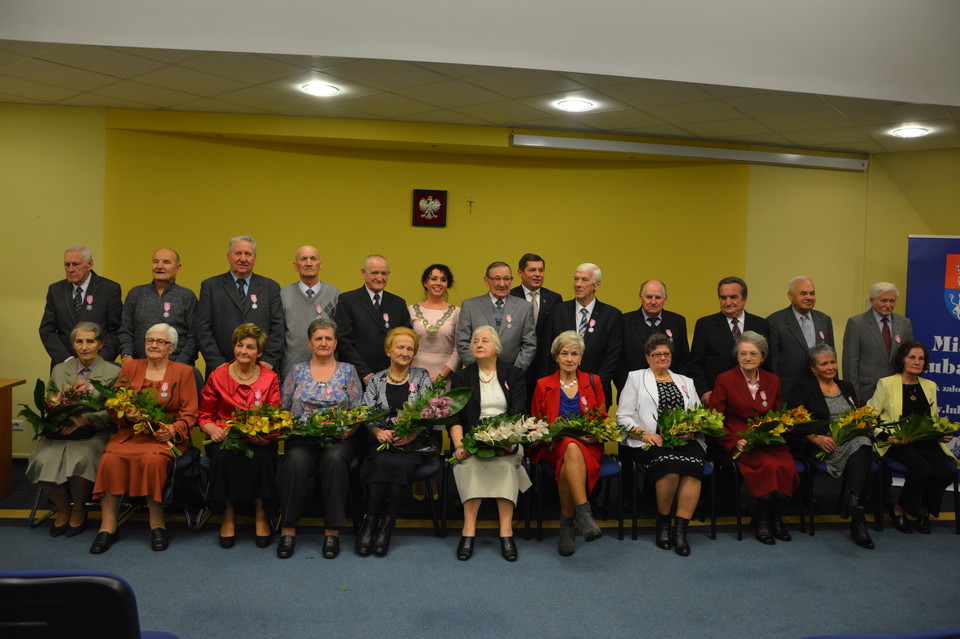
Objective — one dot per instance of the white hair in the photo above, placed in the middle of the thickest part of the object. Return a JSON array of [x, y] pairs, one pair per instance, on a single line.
[[880, 288], [587, 266], [172, 335]]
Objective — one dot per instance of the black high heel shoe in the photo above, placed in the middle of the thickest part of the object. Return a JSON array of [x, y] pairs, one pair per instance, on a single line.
[[508, 548], [901, 523], [465, 548]]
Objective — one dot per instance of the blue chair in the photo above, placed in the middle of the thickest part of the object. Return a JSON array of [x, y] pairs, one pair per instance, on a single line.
[[82, 599], [708, 475], [609, 470]]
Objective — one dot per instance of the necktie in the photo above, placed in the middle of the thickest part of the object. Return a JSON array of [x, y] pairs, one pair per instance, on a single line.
[[806, 326], [84, 374], [653, 321], [376, 301], [498, 312], [736, 329], [887, 340], [310, 293], [240, 288], [535, 300], [77, 301], [582, 328]]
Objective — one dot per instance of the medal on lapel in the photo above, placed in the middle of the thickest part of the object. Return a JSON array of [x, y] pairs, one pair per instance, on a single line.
[[386, 321], [253, 298], [90, 308], [763, 396], [166, 309], [256, 397], [163, 389]]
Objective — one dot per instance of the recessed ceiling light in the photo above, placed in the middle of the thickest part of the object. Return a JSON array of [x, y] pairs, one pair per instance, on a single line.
[[320, 89], [910, 132], [574, 106]]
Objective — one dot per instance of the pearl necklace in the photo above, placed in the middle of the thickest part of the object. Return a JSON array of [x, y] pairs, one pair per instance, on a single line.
[[565, 385]]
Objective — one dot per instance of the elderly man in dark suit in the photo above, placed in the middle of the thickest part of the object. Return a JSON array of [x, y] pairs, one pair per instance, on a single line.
[[365, 315], [600, 325], [237, 297], [83, 296], [531, 271], [794, 331], [870, 340], [510, 315], [652, 318], [715, 335]]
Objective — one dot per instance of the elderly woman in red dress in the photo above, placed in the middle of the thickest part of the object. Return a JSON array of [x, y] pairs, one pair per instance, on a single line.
[[768, 471], [576, 461], [134, 464]]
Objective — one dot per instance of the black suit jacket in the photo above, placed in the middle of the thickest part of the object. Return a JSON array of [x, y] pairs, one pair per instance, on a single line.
[[712, 350], [549, 300], [788, 347], [603, 341], [361, 331], [636, 332], [58, 319], [220, 311], [511, 380]]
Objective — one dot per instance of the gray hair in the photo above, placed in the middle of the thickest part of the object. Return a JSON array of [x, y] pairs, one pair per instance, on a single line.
[[319, 323], [880, 288], [494, 337], [793, 282], [587, 266], [567, 338], [171, 332], [644, 285], [82, 250], [755, 338], [242, 238], [373, 256], [820, 349], [92, 327]]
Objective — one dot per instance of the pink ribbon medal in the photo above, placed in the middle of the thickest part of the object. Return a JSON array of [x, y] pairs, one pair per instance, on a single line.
[[253, 298], [166, 309], [896, 338], [319, 310], [822, 336], [256, 397], [509, 318], [669, 333], [763, 396], [413, 387], [593, 323], [583, 400], [163, 389], [90, 308], [506, 385], [386, 324]]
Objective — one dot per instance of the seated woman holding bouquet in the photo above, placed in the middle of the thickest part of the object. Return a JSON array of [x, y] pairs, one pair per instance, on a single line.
[[827, 398], [930, 465], [138, 456], [64, 463], [741, 393], [498, 388], [310, 387], [677, 472], [576, 460], [239, 385], [388, 473]]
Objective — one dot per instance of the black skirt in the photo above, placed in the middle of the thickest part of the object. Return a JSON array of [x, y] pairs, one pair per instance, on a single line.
[[686, 460]]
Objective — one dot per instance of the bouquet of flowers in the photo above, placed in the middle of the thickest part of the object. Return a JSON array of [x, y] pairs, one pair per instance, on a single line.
[[436, 407], [854, 423], [593, 423], [497, 435], [265, 421], [679, 421], [911, 428], [324, 426], [772, 426], [55, 406], [123, 399]]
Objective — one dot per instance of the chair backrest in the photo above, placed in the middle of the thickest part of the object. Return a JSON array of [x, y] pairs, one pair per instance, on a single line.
[[63, 604]]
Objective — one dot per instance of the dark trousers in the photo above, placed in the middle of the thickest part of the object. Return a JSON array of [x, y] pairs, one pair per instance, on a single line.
[[929, 472], [331, 468]]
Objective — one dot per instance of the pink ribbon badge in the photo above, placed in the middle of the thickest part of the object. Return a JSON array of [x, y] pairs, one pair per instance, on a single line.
[[583, 400], [163, 389], [89, 299], [386, 320], [509, 318], [506, 385], [319, 310], [593, 323], [822, 336], [897, 338], [669, 333], [253, 298], [683, 387], [166, 306], [413, 387], [256, 397]]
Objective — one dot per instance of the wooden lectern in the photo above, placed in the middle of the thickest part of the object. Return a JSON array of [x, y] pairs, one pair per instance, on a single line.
[[6, 435]]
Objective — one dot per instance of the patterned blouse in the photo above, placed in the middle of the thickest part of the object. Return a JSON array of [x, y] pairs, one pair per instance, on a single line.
[[303, 396]]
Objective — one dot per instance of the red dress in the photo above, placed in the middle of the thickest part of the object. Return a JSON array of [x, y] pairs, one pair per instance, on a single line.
[[137, 465], [546, 404], [765, 468]]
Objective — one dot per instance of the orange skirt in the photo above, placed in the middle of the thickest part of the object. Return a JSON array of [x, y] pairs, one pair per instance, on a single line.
[[136, 467]]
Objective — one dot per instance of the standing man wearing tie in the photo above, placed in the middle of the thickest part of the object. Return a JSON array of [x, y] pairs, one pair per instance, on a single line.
[[365, 315], [600, 325], [715, 335], [304, 301], [83, 296], [237, 297], [794, 331], [511, 316], [531, 271], [871, 339], [652, 318]]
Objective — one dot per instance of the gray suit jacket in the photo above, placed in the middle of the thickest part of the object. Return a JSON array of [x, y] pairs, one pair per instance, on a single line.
[[788, 347], [103, 371], [517, 332], [58, 319], [865, 358], [220, 312]]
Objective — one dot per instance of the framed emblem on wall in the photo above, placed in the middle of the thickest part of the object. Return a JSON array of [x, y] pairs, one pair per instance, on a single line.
[[429, 208]]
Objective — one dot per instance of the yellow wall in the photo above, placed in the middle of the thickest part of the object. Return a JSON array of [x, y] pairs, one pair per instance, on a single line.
[[140, 180]]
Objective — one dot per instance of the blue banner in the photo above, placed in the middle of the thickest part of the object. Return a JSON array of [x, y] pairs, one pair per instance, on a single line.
[[933, 306]]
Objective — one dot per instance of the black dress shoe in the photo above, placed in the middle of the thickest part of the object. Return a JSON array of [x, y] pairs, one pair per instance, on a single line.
[[227, 542], [56, 531], [508, 549], [900, 523], [465, 548], [285, 546], [331, 546], [103, 541], [73, 531], [381, 543], [368, 527], [158, 539], [263, 541], [923, 524]]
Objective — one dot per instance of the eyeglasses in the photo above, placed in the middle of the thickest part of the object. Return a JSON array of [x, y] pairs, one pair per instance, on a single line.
[[660, 355], [158, 342]]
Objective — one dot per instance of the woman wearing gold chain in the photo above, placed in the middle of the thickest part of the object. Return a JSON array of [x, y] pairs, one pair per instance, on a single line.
[[435, 321]]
